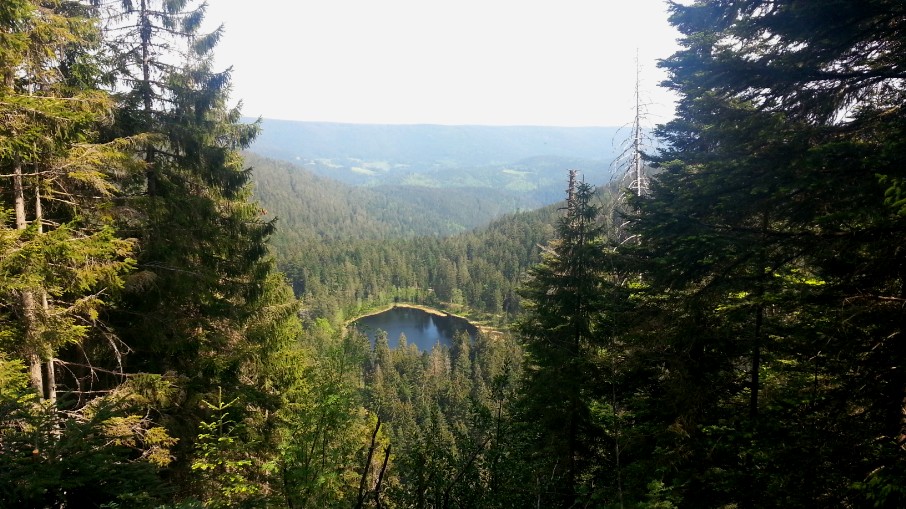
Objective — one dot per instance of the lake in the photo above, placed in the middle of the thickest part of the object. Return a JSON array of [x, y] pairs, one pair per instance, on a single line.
[[421, 328]]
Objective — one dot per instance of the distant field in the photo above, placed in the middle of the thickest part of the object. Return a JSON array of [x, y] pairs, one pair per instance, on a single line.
[[521, 159]]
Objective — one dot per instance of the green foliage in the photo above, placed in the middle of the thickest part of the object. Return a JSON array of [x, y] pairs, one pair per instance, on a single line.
[[761, 244], [121, 347], [658, 497], [566, 330], [14, 392], [338, 278], [204, 304], [323, 427], [106, 453], [745, 350], [447, 419], [61, 259], [311, 205], [220, 461]]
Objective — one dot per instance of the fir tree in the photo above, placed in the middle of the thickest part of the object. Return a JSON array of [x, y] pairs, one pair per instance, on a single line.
[[62, 263]]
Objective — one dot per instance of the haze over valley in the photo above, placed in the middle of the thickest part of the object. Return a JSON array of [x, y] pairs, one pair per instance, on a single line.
[[525, 166]]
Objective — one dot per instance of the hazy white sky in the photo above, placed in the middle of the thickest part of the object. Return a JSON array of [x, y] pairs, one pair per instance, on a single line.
[[498, 62]]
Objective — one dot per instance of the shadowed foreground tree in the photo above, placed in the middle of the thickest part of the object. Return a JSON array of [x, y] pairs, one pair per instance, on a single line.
[[773, 249], [560, 330], [203, 282]]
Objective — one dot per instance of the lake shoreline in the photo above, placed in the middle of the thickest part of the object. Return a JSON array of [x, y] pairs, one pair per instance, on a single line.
[[426, 309], [431, 311]]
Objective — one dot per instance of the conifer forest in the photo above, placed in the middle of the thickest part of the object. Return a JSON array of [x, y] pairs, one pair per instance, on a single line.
[[725, 327]]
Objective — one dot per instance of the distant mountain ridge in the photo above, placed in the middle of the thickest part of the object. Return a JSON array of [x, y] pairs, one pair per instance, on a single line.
[[431, 144], [528, 160]]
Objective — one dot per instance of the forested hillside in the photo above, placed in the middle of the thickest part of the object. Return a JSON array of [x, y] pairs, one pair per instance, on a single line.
[[348, 249], [730, 334], [307, 205], [479, 270], [420, 148]]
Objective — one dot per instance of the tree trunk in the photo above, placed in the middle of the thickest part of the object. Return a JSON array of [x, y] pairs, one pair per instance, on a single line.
[[367, 467], [756, 363], [27, 296], [51, 380], [380, 479], [145, 34], [759, 320]]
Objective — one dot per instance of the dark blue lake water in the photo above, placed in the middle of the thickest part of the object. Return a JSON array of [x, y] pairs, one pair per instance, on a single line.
[[421, 328]]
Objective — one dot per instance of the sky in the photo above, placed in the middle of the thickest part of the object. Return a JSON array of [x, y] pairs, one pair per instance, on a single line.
[[482, 62]]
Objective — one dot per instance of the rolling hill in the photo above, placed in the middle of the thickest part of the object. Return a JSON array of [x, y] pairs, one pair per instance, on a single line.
[[312, 206], [527, 162]]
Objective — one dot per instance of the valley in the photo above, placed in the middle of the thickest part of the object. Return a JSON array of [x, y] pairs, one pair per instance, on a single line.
[[426, 228], [716, 320]]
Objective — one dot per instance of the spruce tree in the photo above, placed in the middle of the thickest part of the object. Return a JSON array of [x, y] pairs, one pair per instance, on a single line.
[[61, 259], [71, 441], [561, 337], [204, 284], [773, 252]]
